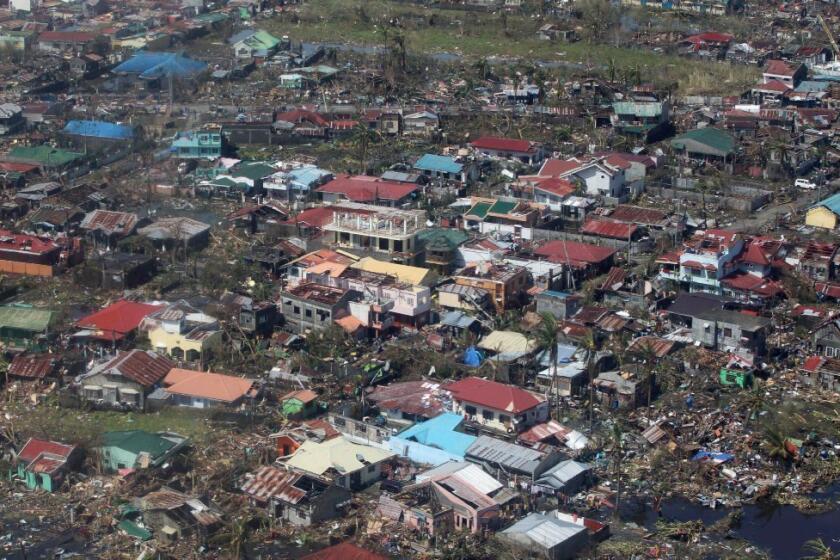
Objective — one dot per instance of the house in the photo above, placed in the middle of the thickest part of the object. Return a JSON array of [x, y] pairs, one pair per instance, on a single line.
[[547, 536], [138, 449], [374, 229], [553, 433], [302, 403], [474, 498], [709, 145], [506, 284], [173, 515], [44, 464], [446, 168], [510, 462], [434, 441], [107, 227], [497, 406], [206, 143], [405, 402], [153, 69], [344, 551], [33, 367], [312, 307], [822, 372], [174, 233], [203, 389], [184, 333], [254, 43], [714, 326], [48, 158], [621, 389], [826, 337], [349, 465], [824, 213], [97, 135], [29, 255], [365, 189], [116, 322], [421, 123], [610, 229], [441, 248], [598, 177], [26, 328], [296, 498], [566, 477], [584, 259], [124, 380], [819, 261], [296, 183], [645, 119], [527, 152], [11, 118], [458, 324], [780, 71], [122, 271], [70, 42]]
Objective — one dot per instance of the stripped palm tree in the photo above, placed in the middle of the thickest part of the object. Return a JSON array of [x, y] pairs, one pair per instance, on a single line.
[[818, 550], [546, 337]]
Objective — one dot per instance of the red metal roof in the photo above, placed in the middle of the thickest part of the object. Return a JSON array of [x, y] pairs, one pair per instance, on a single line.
[[17, 167], [35, 447], [26, 244], [746, 282], [826, 289], [504, 144], [118, 319], [698, 264], [313, 217], [362, 188], [555, 185], [492, 394], [780, 68], [110, 222], [301, 115], [575, 253], [754, 255], [638, 215], [709, 37], [557, 167], [813, 363], [344, 551], [608, 228]]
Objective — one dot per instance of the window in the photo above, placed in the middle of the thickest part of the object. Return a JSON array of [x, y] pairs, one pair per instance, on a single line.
[[470, 410], [398, 246], [383, 244], [371, 468], [727, 332], [488, 414], [297, 310], [504, 419], [309, 313]]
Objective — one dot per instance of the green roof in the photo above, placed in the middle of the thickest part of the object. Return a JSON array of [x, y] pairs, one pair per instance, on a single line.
[[715, 140], [480, 209], [639, 109], [212, 17], [138, 441], [442, 238], [134, 530], [502, 207], [253, 170], [44, 155], [25, 318]]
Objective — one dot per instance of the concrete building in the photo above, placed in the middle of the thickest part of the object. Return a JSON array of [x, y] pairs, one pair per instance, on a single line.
[[312, 307], [385, 231]]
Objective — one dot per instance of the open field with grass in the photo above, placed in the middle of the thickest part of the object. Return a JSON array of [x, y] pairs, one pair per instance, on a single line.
[[475, 35]]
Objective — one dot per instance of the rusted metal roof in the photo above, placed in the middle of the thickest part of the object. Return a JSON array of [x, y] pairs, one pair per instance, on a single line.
[[660, 346], [270, 482], [141, 366], [110, 222], [33, 366]]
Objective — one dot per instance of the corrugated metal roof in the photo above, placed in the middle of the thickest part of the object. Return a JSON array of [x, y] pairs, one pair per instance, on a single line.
[[543, 530], [509, 455], [99, 129], [270, 482]]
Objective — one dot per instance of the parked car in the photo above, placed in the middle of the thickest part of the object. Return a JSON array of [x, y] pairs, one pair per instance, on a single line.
[[805, 184]]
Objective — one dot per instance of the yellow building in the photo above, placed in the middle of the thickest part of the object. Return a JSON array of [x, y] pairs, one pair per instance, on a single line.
[[184, 333], [824, 215]]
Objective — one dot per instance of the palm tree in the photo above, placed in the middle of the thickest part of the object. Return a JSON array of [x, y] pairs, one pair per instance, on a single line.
[[617, 452], [651, 361], [818, 550], [362, 138], [590, 343], [546, 337], [753, 402], [775, 445]]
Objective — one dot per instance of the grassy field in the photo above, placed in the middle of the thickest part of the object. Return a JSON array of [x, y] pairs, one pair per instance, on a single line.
[[477, 34]]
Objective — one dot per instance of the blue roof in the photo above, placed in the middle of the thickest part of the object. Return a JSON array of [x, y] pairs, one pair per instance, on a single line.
[[457, 319], [565, 353], [473, 357], [555, 293], [832, 203], [443, 164], [306, 176], [100, 129], [150, 65], [439, 432], [811, 86]]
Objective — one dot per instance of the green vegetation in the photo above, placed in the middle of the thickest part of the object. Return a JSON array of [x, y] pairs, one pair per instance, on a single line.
[[476, 35]]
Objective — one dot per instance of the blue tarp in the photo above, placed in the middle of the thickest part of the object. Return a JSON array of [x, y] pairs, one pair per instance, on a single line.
[[151, 65], [99, 129], [715, 457], [473, 357]]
